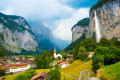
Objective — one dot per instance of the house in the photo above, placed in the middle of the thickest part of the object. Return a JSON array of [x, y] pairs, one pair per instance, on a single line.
[[32, 64], [18, 67], [2, 78], [57, 55], [2, 64], [41, 76], [89, 54], [69, 57], [62, 63]]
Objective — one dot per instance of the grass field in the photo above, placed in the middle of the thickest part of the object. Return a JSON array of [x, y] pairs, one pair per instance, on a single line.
[[10, 77], [75, 67], [111, 72]]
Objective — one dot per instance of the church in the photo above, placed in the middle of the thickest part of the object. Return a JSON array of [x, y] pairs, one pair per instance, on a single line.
[[56, 55]]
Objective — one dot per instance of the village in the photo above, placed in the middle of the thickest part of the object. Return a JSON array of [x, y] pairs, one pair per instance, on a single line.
[[17, 64]]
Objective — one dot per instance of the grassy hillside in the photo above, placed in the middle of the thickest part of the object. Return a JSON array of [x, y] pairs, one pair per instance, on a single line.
[[111, 72], [75, 67]]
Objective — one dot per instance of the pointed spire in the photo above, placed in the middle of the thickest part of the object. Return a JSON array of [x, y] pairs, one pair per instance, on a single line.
[[54, 50]]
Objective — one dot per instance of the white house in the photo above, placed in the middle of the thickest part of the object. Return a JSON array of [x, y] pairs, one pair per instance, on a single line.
[[63, 64], [57, 55], [19, 67]]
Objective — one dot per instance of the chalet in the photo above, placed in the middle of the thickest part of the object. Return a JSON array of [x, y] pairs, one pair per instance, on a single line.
[[2, 78], [62, 63], [18, 67], [69, 57], [2, 64], [89, 54], [41, 76]]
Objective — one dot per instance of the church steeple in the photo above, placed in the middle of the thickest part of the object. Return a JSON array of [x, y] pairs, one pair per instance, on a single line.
[[54, 50]]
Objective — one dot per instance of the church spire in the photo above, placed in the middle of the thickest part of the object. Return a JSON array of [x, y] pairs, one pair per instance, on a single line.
[[54, 50]]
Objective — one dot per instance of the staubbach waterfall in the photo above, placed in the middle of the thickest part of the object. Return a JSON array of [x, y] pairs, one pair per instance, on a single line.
[[97, 28]]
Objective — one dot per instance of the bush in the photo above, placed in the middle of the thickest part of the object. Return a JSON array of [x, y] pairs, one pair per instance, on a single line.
[[26, 76], [71, 61], [104, 42], [55, 74], [2, 72], [111, 54], [98, 61]]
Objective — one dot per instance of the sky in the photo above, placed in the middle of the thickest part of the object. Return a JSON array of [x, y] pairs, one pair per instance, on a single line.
[[58, 15]]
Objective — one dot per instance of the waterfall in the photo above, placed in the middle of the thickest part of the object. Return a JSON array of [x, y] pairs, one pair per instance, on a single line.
[[97, 28]]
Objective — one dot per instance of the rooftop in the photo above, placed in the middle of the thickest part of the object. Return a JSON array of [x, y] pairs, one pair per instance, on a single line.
[[42, 74]]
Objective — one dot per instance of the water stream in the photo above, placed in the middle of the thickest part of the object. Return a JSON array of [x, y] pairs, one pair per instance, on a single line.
[[97, 28]]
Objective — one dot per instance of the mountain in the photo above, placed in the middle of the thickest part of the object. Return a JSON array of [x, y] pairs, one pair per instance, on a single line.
[[44, 36], [108, 15], [16, 34], [80, 29]]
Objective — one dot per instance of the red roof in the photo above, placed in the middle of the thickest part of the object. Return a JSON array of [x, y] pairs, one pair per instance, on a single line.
[[18, 64], [42, 74], [60, 61], [65, 62], [1, 78], [3, 62]]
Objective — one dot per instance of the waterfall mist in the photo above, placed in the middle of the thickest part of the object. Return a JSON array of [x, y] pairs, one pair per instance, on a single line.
[[97, 28]]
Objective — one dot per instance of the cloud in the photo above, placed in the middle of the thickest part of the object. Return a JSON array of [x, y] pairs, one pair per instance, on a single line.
[[56, 14], [63, 30], [42, 9]]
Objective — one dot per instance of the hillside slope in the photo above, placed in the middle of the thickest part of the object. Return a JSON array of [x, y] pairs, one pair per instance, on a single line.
[[76, 66]]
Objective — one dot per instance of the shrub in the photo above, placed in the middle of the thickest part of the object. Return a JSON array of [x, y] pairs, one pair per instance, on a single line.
[[98, 61], [55, 74], [2, 72], [110, 54], [26, 76]]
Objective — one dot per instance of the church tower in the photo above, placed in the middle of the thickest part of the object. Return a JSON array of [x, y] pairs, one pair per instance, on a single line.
[[54, 52]]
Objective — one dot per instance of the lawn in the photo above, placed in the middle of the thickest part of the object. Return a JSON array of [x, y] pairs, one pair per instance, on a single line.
[[111, 72], [75, 67], [10, 77]]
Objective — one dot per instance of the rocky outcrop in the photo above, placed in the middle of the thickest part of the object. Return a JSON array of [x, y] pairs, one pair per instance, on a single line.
[[81, 29], [109, 19], [16, 34]]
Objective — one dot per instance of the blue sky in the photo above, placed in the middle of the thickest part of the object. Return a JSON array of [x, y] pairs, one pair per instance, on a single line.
[[58, 15]]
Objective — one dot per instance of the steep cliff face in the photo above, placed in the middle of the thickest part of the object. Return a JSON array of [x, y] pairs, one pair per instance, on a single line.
[[109, 19], [16, 34], [81, 29]]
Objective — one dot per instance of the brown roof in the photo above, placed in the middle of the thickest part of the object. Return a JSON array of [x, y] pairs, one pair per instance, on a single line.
[[65, 62], [1, 78], [3, 62], [18, 64], [60, 61], [42, 74]]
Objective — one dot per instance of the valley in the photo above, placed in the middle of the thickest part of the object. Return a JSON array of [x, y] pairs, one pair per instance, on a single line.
[[40, 46]]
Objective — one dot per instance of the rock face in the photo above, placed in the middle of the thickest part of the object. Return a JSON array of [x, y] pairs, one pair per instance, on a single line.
[[16, 34], [109, 19], [81, 29]]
